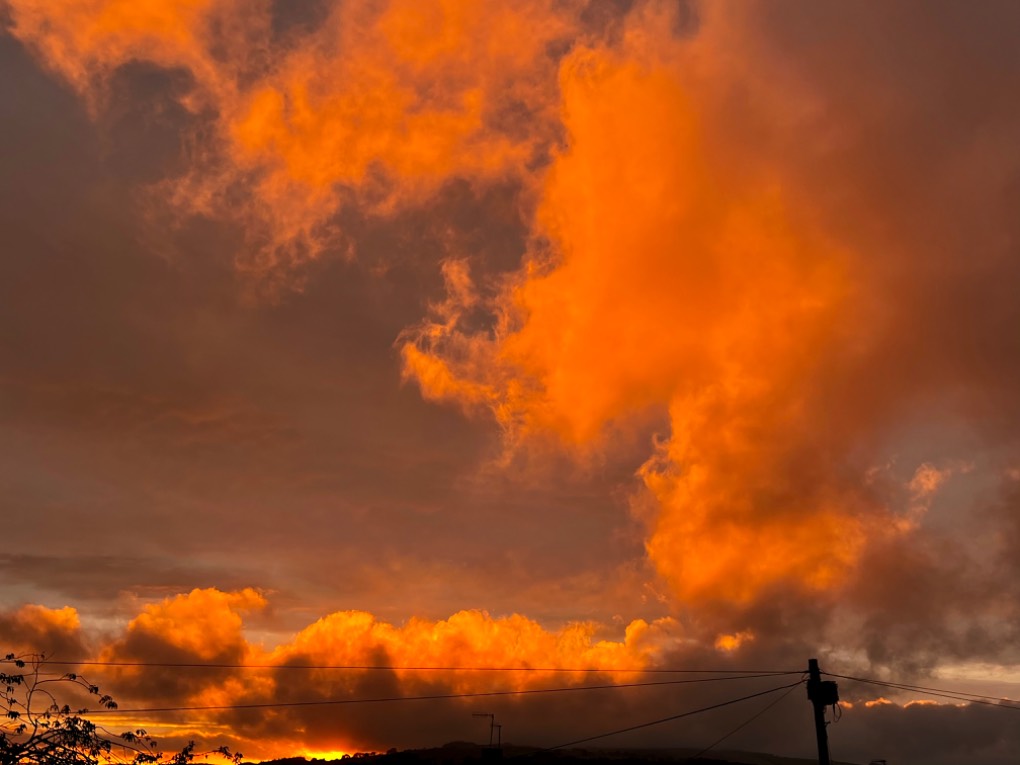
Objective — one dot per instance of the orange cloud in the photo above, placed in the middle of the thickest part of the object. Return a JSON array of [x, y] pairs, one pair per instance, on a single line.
[[207, 626], [53, 632], [471, 639], [61, 619], [672, 281], [730, 643], [468, 639], [667, 272], [204, 626], [85, 41], [661, 276], [383, 102]]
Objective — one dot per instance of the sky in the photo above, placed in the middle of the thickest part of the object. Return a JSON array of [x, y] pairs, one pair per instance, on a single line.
[[616, 334]]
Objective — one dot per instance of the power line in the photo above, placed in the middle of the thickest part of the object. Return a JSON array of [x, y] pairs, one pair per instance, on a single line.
[[974, 698], [325, 702], [744, 724], [393, 667], [673, 717]]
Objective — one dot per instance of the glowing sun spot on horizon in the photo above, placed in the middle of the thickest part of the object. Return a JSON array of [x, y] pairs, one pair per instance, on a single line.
[[332, 754]]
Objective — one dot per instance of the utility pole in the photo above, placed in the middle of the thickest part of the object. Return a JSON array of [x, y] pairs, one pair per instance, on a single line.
[[821, 694], [492, 723], [492, 753]]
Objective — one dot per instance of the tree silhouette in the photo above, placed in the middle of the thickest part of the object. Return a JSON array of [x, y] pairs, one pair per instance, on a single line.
[[38, 728]]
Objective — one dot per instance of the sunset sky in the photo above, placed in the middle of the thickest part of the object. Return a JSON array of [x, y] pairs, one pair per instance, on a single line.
[[610, 334]]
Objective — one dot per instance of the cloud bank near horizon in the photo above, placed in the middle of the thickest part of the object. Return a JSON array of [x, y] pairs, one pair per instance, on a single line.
[[206, 629]]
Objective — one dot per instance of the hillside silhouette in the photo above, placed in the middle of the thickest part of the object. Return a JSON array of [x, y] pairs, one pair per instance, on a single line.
[[464, 753]]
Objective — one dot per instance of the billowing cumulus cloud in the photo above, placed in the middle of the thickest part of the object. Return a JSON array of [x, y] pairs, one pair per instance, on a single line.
[[377, 104], [49, 631], [689, 258], [207, 627], [668, 279]]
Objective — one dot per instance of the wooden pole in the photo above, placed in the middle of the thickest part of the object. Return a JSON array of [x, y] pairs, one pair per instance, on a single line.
[[814, 687]]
